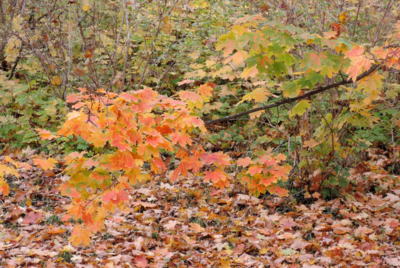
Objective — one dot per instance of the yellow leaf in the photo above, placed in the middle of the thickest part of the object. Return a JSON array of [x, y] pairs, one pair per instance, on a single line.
[[6, 170], [45, 134], [199, 4], [239, 57], [258, 95], [310, 143], [300, 108], [371, 86], [249, 72], [343, 17], [17, 23], [86, 5], [45, 164], [194, 55], [256, 114], [56, 80], [166, 26], [12, 49], [80, 236], [205, 91]]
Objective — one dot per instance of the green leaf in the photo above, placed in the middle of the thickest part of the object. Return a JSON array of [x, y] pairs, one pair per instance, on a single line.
[[300, 108]]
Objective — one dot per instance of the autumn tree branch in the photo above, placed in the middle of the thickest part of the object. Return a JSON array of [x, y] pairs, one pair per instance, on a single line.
[[290, 100]]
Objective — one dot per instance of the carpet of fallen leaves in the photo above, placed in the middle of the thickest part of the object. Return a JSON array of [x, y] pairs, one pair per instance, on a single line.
[[190, 224]]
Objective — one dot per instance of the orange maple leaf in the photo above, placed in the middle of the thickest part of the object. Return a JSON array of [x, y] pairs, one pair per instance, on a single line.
[[80, 236], [115, 196], [217, 177], [45, 134], [274, 189], [4, 188], [218, 159], [45, 164], [244, 162]]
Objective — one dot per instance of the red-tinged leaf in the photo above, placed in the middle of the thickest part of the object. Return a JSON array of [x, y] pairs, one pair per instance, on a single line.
[[45, 164], [244, 162], [217, 177], [129, 97], [181, 139], [239, 57], [4, 188], [358, 66], [80, 236], [72, 98], [155, 140], [205, 90], [274, 189], [253, 170], [121, 160], [45, 134], [356, 51], [140, 262], [190, 96], [32, 218], [158, 166], [164, 129], [218, 159], [115, 197]]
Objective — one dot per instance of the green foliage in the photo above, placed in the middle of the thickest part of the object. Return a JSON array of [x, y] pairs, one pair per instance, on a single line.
[[26, 107]]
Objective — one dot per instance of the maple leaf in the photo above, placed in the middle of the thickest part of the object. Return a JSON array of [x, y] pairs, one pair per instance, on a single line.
[[141, 261], [45, 134], [191, 98], [356, 51], [316, 61], [4, 188], [32, 218], [359, 62], [181, 138], [358, 66], [206, 90], [239, 57], [80, 236], [300, 108], [217, 177], [274, 189], [218, 159], [244, 162], [122, 160], [45, 164], [115, 196], [6, 170], [253, 170], [249, 72], [258, 95]]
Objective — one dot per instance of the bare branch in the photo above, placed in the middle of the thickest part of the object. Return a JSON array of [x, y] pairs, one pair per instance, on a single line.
[[290, 100]]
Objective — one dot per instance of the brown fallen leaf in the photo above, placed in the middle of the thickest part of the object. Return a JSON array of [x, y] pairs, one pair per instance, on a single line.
[[140, 261], [32, 218], [196, 227]]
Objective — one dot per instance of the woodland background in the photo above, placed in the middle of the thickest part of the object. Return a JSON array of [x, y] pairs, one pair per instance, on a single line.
[[199, 133]]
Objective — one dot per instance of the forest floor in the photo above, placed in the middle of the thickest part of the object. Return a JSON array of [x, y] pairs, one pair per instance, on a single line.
[[189, 224]]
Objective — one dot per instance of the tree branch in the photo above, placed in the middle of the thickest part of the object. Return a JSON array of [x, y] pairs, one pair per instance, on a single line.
[[290, 100]]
